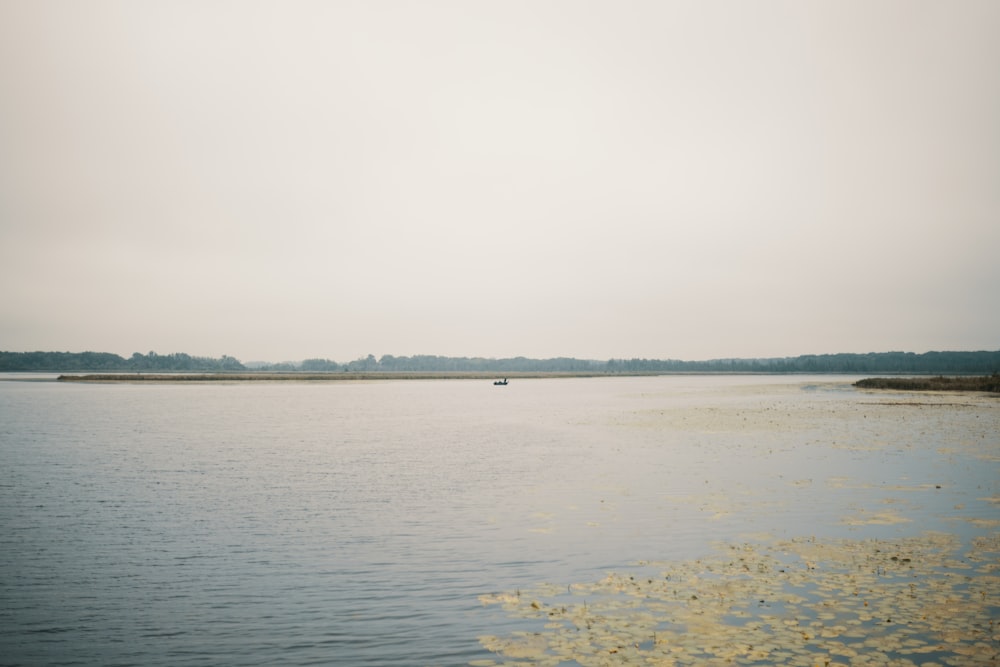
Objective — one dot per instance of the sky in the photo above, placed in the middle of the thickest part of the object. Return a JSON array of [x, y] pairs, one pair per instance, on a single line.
[[290, 179]]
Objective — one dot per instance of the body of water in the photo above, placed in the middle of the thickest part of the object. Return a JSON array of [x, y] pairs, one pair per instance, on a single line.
[[359, 523]]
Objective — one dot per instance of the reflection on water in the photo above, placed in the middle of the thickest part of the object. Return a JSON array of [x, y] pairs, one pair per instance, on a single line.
[[361, 522]]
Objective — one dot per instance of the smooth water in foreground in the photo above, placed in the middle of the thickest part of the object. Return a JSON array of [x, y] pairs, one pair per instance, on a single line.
[[398, 522]]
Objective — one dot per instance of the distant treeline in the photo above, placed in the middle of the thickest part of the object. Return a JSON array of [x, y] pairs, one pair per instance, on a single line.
[[963, 363], [432, 363], [106, 361], [929, 363]]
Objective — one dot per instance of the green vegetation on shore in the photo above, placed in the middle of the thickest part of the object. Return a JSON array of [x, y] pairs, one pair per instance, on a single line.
[[939, 383], [929, 363], [59, 362]]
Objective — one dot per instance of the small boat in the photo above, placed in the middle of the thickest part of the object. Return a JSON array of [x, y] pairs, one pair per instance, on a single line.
[[501, 383]]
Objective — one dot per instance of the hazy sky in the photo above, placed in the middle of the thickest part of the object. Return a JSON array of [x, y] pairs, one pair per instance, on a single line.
[[291, 179]]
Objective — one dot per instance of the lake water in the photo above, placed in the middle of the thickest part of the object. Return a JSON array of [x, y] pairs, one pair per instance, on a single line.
[[359, 523]]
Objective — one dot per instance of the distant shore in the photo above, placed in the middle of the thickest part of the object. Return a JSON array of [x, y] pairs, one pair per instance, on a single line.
[[970, 383], [868, 364], [937, 383], [317, 377]]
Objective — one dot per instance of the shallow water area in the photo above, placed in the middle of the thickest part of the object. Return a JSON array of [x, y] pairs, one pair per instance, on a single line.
[[368, 522]]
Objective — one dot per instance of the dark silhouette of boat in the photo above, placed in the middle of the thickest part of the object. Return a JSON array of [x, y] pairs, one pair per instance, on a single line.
[[502, 383]]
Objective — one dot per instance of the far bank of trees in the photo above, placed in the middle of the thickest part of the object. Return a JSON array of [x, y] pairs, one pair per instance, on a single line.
[[928, 363], [434, 364], [108, 362], [895, 363]]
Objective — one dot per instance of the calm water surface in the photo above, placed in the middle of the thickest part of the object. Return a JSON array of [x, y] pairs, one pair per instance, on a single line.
[[357, 523]]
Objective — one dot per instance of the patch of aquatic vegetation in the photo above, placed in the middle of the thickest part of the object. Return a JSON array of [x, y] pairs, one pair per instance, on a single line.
[[924, 600]]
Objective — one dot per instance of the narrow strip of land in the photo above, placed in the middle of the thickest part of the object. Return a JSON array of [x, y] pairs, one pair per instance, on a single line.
[[315, 377], [971, 383], [938, 383]]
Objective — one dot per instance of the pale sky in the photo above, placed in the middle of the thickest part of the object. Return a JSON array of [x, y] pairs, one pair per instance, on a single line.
[[689, 180]]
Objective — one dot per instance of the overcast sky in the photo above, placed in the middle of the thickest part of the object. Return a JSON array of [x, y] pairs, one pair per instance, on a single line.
[[693, 180]]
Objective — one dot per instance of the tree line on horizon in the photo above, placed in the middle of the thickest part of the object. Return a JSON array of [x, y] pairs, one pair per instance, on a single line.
[[109, 362], [936, 363]]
